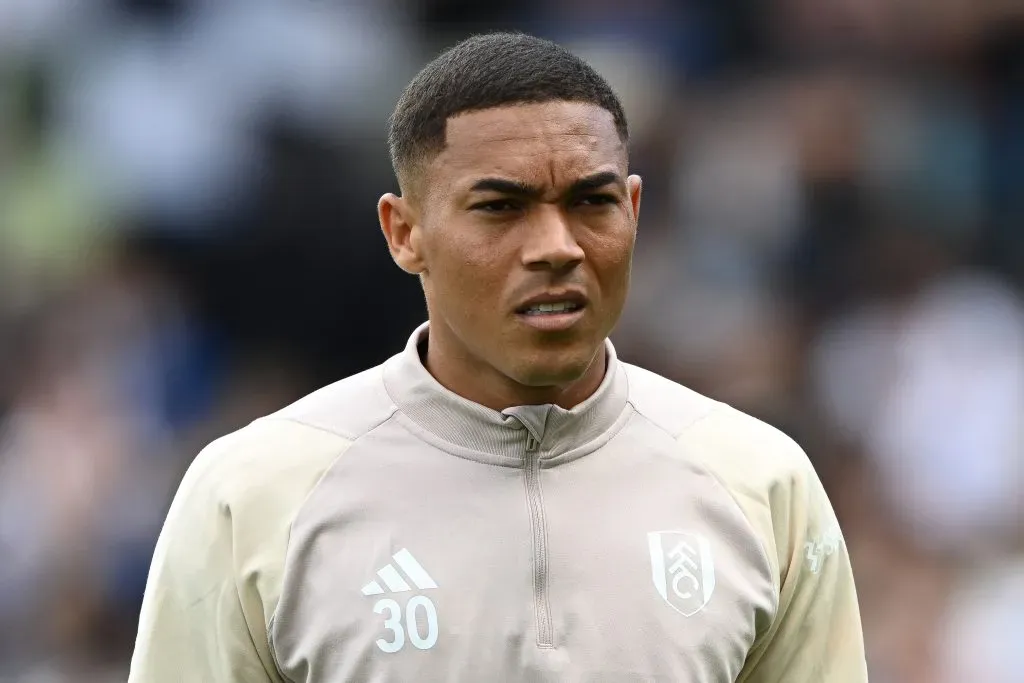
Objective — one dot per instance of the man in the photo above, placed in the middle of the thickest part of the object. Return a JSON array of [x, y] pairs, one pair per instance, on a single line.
[[504, 500]]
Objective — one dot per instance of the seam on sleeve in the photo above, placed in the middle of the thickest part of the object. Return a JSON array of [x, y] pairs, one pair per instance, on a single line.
[[298, 510], [287, 545], [248, 630], [775, 575], [348, 436], [273, 650]]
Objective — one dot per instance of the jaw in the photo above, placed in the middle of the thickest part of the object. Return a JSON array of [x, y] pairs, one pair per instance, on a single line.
[[565, 380], [553, 366], [512, 370]]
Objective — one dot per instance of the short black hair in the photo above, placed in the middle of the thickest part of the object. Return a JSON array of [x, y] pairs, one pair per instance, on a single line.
[[486, 71]]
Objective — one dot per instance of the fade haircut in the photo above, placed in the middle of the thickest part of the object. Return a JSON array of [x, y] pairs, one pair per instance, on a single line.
[[483, 72]]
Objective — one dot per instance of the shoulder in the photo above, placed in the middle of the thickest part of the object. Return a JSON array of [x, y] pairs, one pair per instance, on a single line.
[[348, 408], [231, 516], [747, 452], [223, 544], [765, 472], [737, 447], [667, 404], [276, 460], [260, 461]]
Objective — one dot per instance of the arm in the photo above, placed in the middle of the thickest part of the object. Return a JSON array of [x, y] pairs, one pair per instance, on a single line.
[[816, 635], [200, 620]]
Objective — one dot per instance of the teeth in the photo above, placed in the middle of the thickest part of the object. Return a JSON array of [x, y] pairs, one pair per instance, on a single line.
[[559, 307]]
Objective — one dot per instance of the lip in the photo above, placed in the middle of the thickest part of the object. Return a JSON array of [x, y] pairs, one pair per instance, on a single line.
[[553, 322], [573, 296]]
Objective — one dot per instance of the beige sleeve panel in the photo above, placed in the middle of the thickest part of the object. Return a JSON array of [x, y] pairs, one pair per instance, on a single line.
[[217, 569], [815, 636]]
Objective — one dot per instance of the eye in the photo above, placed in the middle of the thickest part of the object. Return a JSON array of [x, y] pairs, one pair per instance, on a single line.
[[597, 200], [496, 206]]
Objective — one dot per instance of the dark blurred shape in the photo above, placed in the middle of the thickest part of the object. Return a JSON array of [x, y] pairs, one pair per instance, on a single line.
[[304, 271], [447, 15], [164, 11], [1003, 74]]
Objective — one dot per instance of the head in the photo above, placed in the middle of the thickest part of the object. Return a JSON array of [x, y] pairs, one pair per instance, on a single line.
[[511, 156]]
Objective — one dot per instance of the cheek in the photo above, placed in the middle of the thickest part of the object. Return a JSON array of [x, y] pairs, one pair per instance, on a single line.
[[611, 254], [468, 274]]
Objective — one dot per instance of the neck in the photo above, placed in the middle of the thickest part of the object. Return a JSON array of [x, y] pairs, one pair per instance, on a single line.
[[483, 384]]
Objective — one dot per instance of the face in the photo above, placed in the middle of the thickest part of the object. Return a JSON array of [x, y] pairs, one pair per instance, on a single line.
[[522, 232]]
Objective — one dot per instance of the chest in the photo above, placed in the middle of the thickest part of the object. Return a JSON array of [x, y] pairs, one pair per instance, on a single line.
[[593, 571]]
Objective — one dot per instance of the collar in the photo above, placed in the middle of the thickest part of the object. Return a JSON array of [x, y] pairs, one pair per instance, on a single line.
[[449, 420]]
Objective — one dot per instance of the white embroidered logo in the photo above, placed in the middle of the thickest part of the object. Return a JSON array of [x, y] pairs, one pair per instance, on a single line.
[[827, 544], [423, 636], [683, 569]]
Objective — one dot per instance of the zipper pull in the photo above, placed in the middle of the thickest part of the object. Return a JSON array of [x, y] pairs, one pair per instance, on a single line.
[[531, 443]]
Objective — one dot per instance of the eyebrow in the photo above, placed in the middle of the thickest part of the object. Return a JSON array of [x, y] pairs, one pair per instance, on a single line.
[[521, 189]]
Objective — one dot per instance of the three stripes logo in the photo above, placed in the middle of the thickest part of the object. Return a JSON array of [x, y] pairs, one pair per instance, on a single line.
[[417, 621], [394, 580]]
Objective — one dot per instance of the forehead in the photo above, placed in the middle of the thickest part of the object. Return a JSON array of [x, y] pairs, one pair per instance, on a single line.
[[552, 142]]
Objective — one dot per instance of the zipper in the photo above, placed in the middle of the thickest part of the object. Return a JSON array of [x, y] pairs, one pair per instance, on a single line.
[[535, 501]]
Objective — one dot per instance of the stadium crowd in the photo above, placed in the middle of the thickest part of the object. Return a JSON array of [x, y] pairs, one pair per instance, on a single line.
[[832, 238]]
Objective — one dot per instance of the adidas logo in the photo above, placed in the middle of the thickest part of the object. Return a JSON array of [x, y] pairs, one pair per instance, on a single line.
[[395, 581]]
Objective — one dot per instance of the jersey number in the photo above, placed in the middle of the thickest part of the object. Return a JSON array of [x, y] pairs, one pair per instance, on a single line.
[[411, 628]]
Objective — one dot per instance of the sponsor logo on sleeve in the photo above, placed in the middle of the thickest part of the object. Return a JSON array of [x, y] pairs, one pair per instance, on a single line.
[[817, 550]]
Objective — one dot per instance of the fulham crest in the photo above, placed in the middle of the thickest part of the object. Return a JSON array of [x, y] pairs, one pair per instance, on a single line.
[[683, 569]]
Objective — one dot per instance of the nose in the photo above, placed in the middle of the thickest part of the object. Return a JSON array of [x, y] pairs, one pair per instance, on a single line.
[[550, 243]]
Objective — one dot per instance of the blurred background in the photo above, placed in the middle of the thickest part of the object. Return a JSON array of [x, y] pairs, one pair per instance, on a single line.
[[832, 239]]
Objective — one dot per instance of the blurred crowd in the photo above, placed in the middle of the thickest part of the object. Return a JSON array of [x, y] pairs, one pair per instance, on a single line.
[[832, 238]]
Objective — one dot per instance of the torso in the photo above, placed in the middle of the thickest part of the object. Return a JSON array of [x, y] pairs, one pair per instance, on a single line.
[[631, 563]]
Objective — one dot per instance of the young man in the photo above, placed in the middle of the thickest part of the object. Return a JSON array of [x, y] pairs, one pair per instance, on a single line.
[[504, 500]]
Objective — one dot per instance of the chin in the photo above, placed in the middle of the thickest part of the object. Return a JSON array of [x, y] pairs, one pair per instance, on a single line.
[[556, 368]]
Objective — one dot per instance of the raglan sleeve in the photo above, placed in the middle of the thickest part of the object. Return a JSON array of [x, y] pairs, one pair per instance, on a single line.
[[200, 621], [816, 634]]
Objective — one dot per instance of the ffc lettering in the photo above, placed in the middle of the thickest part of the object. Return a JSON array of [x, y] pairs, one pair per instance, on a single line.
[[682, 569], [684, 574]]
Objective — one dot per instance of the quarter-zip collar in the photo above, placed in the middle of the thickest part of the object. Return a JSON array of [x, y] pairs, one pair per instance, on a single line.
[[468, 426]]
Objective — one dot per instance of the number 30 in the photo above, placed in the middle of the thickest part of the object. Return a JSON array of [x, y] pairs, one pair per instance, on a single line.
[[393, 622]]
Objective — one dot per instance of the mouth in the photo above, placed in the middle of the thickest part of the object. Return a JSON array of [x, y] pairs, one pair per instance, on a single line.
[[554, 308], [553, 312]]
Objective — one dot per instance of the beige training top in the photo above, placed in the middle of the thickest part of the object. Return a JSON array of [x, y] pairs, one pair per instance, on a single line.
[[386, 529]]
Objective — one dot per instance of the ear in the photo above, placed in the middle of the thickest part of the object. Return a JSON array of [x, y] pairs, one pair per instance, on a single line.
[[634, 185], [400, 225]]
